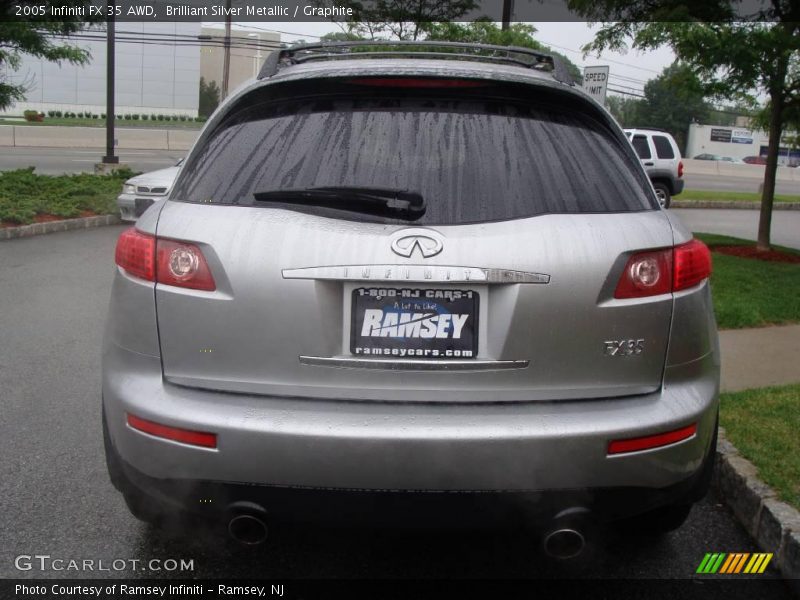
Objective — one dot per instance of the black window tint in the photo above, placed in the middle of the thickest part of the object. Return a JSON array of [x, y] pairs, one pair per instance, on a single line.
[[663, 147], [641, 146], [472, 161]]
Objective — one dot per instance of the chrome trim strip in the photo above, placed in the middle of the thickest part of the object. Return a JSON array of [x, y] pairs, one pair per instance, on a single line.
[[416, 274], [385, 364]]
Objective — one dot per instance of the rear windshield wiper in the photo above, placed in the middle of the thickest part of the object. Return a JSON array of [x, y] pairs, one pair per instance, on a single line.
[[403, 204]]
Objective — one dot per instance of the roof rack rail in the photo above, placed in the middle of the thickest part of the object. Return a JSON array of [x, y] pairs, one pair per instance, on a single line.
[[514, 55]]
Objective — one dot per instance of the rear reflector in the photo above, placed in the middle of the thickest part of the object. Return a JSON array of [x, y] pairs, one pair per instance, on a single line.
[[416, 82], [185, 436], [663, 271], [652, 441]]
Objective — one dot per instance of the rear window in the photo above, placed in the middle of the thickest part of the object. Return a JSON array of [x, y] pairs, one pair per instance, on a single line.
[[472, 161], [663, 147], [641, 146]]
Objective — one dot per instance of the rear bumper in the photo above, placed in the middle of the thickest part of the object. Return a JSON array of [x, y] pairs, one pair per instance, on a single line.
[[677, 186], [127, 205], [509, 447]]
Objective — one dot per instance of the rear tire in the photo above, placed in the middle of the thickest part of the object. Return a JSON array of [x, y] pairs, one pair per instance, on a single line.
[[663, 194]]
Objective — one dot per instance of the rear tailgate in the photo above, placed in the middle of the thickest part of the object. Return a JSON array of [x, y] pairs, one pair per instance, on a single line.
[[531, 216]]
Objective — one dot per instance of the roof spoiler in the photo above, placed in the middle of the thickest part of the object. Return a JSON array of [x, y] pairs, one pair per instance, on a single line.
[[513, 55]]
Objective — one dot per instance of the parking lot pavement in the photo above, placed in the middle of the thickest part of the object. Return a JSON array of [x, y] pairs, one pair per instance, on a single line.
[[57, 499], [742, 223]]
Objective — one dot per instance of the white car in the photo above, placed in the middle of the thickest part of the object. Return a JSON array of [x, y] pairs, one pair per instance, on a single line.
[[139, 192]]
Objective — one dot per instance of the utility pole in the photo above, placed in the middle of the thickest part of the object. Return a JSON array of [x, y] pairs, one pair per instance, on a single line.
[[110, 158], [226, 60], [508, 13]]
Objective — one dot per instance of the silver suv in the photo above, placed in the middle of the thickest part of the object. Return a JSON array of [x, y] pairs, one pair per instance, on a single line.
[[384, 277], [661, 159]]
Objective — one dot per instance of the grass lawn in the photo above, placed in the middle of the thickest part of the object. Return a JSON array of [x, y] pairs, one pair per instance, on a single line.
[[119, 123], [24, 196], [763, 424], [737, 196], [752, 293]]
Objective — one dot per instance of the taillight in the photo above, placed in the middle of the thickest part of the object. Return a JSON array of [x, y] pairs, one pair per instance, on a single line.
[[135, 254], [662, 271], [183, 264], [166, 261], [680, 169], [646, 274], [692, 264], [416, 82]]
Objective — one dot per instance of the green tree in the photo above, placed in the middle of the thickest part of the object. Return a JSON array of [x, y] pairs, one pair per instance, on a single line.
[[398, 19], [209, 97], [733, 58], [672, 101], [486, 32], [625, 110], [36, 37]]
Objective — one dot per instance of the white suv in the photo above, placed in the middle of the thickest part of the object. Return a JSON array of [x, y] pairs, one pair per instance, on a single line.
[[661, 159]]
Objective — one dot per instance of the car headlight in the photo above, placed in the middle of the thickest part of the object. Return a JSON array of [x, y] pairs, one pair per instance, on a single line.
[[128, 188]]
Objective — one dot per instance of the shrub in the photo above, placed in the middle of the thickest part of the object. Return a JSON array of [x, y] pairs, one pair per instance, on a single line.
[[33, 115], [80, 115], [103, 116], [23, 194], [59, 114], [135, 117], [97, 116], [51, 113], [160, 117], [145, 117]]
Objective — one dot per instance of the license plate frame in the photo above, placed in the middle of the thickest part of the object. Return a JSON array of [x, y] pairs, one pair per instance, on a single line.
[[424, 306]]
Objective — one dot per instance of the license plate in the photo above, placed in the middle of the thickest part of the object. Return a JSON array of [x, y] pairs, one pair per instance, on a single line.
[[414, 323], [141, 205]]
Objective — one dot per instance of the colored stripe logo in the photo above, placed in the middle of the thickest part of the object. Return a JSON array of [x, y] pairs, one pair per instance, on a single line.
[[734, 563]]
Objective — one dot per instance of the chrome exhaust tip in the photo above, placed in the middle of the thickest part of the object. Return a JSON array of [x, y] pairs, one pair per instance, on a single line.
[[248, 523], [564, 543], [248, 530]]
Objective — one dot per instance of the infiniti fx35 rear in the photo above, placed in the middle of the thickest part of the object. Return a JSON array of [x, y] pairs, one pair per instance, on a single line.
[[381, 281]]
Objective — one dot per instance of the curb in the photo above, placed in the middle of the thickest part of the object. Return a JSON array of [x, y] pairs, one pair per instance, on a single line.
[[731, 204], [773, 524], [10, 233]]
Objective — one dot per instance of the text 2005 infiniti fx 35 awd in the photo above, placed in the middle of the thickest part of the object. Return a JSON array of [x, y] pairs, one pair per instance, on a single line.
[[379, 276]]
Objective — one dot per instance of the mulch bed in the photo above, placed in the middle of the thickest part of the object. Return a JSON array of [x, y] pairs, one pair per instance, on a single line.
[[752, 252], [48, 218]]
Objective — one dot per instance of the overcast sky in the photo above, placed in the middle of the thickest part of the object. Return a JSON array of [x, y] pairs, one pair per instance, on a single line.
[[628, 72]]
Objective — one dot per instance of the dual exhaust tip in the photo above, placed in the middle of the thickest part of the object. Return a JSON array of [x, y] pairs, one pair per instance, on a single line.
[[248, 526], [248, 523]]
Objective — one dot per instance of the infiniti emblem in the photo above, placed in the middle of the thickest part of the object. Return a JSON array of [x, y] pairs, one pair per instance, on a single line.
[[410, 240]]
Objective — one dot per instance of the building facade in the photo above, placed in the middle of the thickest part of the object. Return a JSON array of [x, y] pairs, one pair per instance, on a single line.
[[736, 142]]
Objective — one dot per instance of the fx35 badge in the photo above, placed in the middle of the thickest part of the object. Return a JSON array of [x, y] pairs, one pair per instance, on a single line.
[[623, 347]]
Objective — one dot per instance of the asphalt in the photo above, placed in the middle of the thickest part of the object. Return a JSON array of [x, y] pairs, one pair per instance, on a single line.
[[56, 498]]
